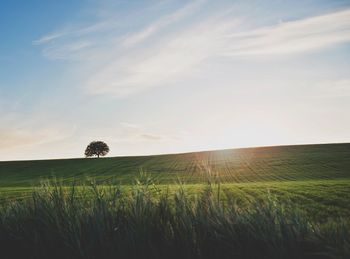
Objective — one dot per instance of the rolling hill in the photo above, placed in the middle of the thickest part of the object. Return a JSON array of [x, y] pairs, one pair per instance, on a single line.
[[316, 178], [262, 164]]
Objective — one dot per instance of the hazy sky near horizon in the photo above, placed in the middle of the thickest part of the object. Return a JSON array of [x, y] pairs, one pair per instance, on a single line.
[[151, 77]]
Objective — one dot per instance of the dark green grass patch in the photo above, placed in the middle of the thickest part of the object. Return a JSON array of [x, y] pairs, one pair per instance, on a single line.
[[321, 200]]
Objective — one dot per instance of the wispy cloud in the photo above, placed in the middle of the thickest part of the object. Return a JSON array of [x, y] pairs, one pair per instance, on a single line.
[[71, 50], [294, 36], [167, 60], [122, 63], [138, 37], [134, 132], [332, 88], [48, 38], [17, 132], [14, 138]]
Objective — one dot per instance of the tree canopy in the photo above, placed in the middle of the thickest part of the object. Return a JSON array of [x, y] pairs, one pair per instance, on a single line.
[[96, 148]]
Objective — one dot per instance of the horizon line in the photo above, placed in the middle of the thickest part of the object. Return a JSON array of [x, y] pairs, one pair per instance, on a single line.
[[181, 153]]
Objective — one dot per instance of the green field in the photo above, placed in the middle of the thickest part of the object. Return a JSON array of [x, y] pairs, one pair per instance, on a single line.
[[314, 177], [265, 164], [268, 202]]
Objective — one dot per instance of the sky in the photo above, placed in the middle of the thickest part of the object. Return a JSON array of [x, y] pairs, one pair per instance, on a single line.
[[169, 76]]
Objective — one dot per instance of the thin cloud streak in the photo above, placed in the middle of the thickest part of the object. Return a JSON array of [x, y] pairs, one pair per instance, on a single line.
[[48, 38], [15, 138], [135, 133], [144, 34], [333, 89], [17, 131], [293, 37]]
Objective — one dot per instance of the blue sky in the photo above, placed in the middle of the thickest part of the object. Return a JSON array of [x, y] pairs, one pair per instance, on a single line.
[[153, 77]]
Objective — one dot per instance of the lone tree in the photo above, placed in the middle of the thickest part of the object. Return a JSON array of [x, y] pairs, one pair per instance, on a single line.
[[96, 148]]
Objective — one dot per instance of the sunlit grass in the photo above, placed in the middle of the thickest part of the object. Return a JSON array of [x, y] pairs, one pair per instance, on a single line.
[[146, 220]]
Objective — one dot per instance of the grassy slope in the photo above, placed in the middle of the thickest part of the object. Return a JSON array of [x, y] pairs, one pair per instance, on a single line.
[[316, 177], [307, 162]]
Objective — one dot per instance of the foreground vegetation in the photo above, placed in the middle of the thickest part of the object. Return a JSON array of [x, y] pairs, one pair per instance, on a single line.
[[150, 221], [320, 200]]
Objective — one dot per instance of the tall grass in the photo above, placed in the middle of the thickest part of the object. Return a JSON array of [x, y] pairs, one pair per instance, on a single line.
[[96, 221]]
